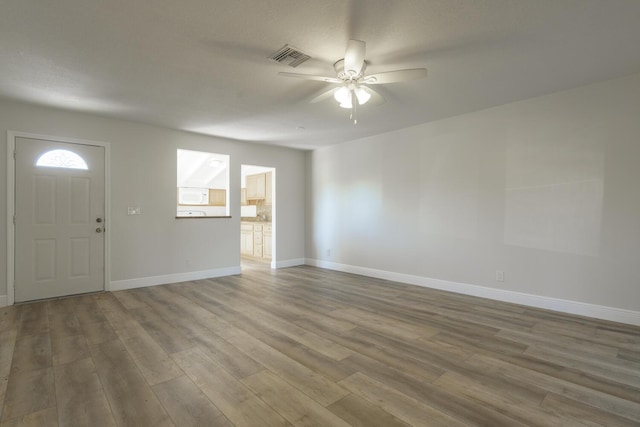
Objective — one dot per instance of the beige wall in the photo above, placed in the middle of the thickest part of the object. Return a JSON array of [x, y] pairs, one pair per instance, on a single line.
[[143, 173], [546, 190]]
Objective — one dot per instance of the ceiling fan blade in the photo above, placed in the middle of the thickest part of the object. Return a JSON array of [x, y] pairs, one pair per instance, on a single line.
[[324, 95], [311, 77], [395, 76], [354, 57]]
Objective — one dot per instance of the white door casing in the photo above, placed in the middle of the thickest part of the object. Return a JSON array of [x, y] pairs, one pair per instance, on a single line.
[[59, 237]]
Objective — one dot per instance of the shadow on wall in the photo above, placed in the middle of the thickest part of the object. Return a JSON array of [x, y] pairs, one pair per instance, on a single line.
[[554, 191]]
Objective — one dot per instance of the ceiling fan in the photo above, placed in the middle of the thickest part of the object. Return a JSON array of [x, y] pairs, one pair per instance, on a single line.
[[353, 89]]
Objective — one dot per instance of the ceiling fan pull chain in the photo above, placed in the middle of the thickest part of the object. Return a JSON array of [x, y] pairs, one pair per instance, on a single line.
[[354, 106]]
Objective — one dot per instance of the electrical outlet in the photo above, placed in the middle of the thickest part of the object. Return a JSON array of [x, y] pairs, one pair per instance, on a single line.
[[499, 276], [133, 210]]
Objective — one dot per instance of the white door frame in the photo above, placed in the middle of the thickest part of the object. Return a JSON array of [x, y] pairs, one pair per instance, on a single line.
[[274, 261], [11, 200]]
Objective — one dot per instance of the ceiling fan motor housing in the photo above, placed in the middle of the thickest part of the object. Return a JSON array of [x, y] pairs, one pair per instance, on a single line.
[[344, 75]]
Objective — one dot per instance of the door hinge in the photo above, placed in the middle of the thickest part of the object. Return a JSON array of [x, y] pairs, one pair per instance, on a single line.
[[14, 154], [14, 219]]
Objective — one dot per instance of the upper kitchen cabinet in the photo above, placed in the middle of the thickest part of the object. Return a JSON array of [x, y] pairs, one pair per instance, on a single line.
[[243, 197], [259, 187], [256, 186], [268, 190], [217, 197]]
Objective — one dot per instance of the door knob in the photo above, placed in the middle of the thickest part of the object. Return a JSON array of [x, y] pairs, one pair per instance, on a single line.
[[99, 220], [98, 230]]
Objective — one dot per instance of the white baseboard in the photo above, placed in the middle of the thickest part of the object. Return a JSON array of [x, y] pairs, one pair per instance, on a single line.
[[565, 306], [141, 282], [3, 300], [290, 263]]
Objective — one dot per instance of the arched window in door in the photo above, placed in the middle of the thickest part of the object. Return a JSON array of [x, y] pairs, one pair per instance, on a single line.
[[62, 159]]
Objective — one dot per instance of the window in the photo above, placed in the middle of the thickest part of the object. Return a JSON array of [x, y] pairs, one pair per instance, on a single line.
[[62, 159], [202, 184]]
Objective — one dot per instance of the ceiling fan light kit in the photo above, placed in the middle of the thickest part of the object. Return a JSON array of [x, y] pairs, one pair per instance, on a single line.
[[350, 75], [344, 95]]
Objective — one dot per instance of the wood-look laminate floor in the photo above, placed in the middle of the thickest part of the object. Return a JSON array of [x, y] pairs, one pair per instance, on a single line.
[[310, 347]]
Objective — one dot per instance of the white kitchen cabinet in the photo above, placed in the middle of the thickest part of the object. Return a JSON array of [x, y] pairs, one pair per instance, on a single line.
[[246, 239], [256, 239], [267, 244], [268, 191], [256, 186], [243, 197], [217, 197]]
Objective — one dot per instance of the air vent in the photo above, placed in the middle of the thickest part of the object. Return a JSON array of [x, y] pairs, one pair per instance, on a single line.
[[289, 55]]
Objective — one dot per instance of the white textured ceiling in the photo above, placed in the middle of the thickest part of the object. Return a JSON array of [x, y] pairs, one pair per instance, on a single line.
[[200, 65]]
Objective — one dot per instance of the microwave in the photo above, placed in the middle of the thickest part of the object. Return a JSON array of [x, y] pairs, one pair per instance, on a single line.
[[193, 196]]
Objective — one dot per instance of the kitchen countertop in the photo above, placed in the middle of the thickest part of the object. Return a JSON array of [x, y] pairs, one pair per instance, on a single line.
[[254, 220]]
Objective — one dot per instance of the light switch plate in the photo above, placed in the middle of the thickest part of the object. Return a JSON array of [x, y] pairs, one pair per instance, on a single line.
[[133, 210]]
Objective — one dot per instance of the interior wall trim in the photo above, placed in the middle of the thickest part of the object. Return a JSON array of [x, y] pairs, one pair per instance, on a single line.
[[565, 306], [142, 282], [290, 263]]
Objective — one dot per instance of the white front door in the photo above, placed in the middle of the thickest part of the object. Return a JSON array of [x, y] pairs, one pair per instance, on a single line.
[[59, 223]]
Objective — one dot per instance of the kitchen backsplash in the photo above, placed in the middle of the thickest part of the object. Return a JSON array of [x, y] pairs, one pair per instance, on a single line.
[[263, 210]]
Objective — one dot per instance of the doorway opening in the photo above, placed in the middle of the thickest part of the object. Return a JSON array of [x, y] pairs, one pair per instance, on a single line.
[[257, 217]]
